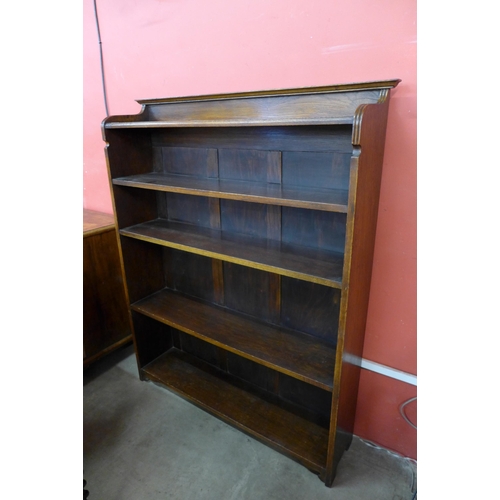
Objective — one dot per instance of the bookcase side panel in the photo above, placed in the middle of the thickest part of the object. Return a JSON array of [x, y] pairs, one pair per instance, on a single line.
[[366, 169]]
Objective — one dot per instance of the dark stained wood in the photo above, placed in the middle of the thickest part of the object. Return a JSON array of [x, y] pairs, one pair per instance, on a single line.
[[284, 431], [192, 274], [106, 325], [311, 398], [143, 265], [273, 223], [218, 280], [247, 226], [152, 339], [275, 299], [250, 165], [255, 374], [289, 352], [190, 161], [332, 200], [244, 218], [310, 308], [204, 351], [317, 169], [366, 171], [297, 138], [317, 266], [192, 210], [135, 206], [128, 152], [325, 89], [302, 107], [312, 228], [215, 213], [248, 291]]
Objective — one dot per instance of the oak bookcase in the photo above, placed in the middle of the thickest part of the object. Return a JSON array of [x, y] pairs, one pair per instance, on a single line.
[[246, 232]]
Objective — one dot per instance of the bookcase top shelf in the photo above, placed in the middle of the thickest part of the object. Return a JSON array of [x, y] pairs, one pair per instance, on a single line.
[[344, 87], [327, 105]]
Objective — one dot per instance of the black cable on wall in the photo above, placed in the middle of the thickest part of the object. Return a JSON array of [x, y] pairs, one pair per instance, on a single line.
[[102, 64]]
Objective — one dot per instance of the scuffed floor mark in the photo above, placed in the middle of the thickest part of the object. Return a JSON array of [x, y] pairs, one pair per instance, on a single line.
[[237, 491]]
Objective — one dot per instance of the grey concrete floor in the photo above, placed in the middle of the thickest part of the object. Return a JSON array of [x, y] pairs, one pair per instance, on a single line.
[[141, 442]]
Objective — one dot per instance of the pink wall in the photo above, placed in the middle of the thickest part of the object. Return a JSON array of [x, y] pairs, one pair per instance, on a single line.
[[155, 48]]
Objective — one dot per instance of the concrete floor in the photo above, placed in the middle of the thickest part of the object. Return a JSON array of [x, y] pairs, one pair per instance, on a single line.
[[142, 442]]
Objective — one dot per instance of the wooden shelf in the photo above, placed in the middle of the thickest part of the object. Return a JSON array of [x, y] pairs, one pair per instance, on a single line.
[[298, 355], [244, 122], [308, 264], [331, 200], [213, 391]]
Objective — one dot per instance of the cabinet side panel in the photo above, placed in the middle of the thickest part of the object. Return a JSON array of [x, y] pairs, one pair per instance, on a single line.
[[133, 206], [370, 162], [128, 152], [366, 170], [105, 311]]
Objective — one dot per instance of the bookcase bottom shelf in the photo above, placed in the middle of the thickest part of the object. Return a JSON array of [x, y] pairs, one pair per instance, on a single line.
[[222, 396]]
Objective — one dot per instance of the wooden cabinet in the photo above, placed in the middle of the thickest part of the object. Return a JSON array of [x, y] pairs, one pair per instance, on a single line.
[[247, 225], [106, 325]]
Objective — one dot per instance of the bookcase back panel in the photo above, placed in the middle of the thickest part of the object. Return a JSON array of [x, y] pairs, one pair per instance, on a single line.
[[294, 138], [209, 353], [190, 161], [313, 228], [252, 219], [299, 305], [250, 165], [321, 169], [310, 308], [264, 109], [311, 398], [190, 274], [195, 210], [258, 375], [314, 405], [253, 292]]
